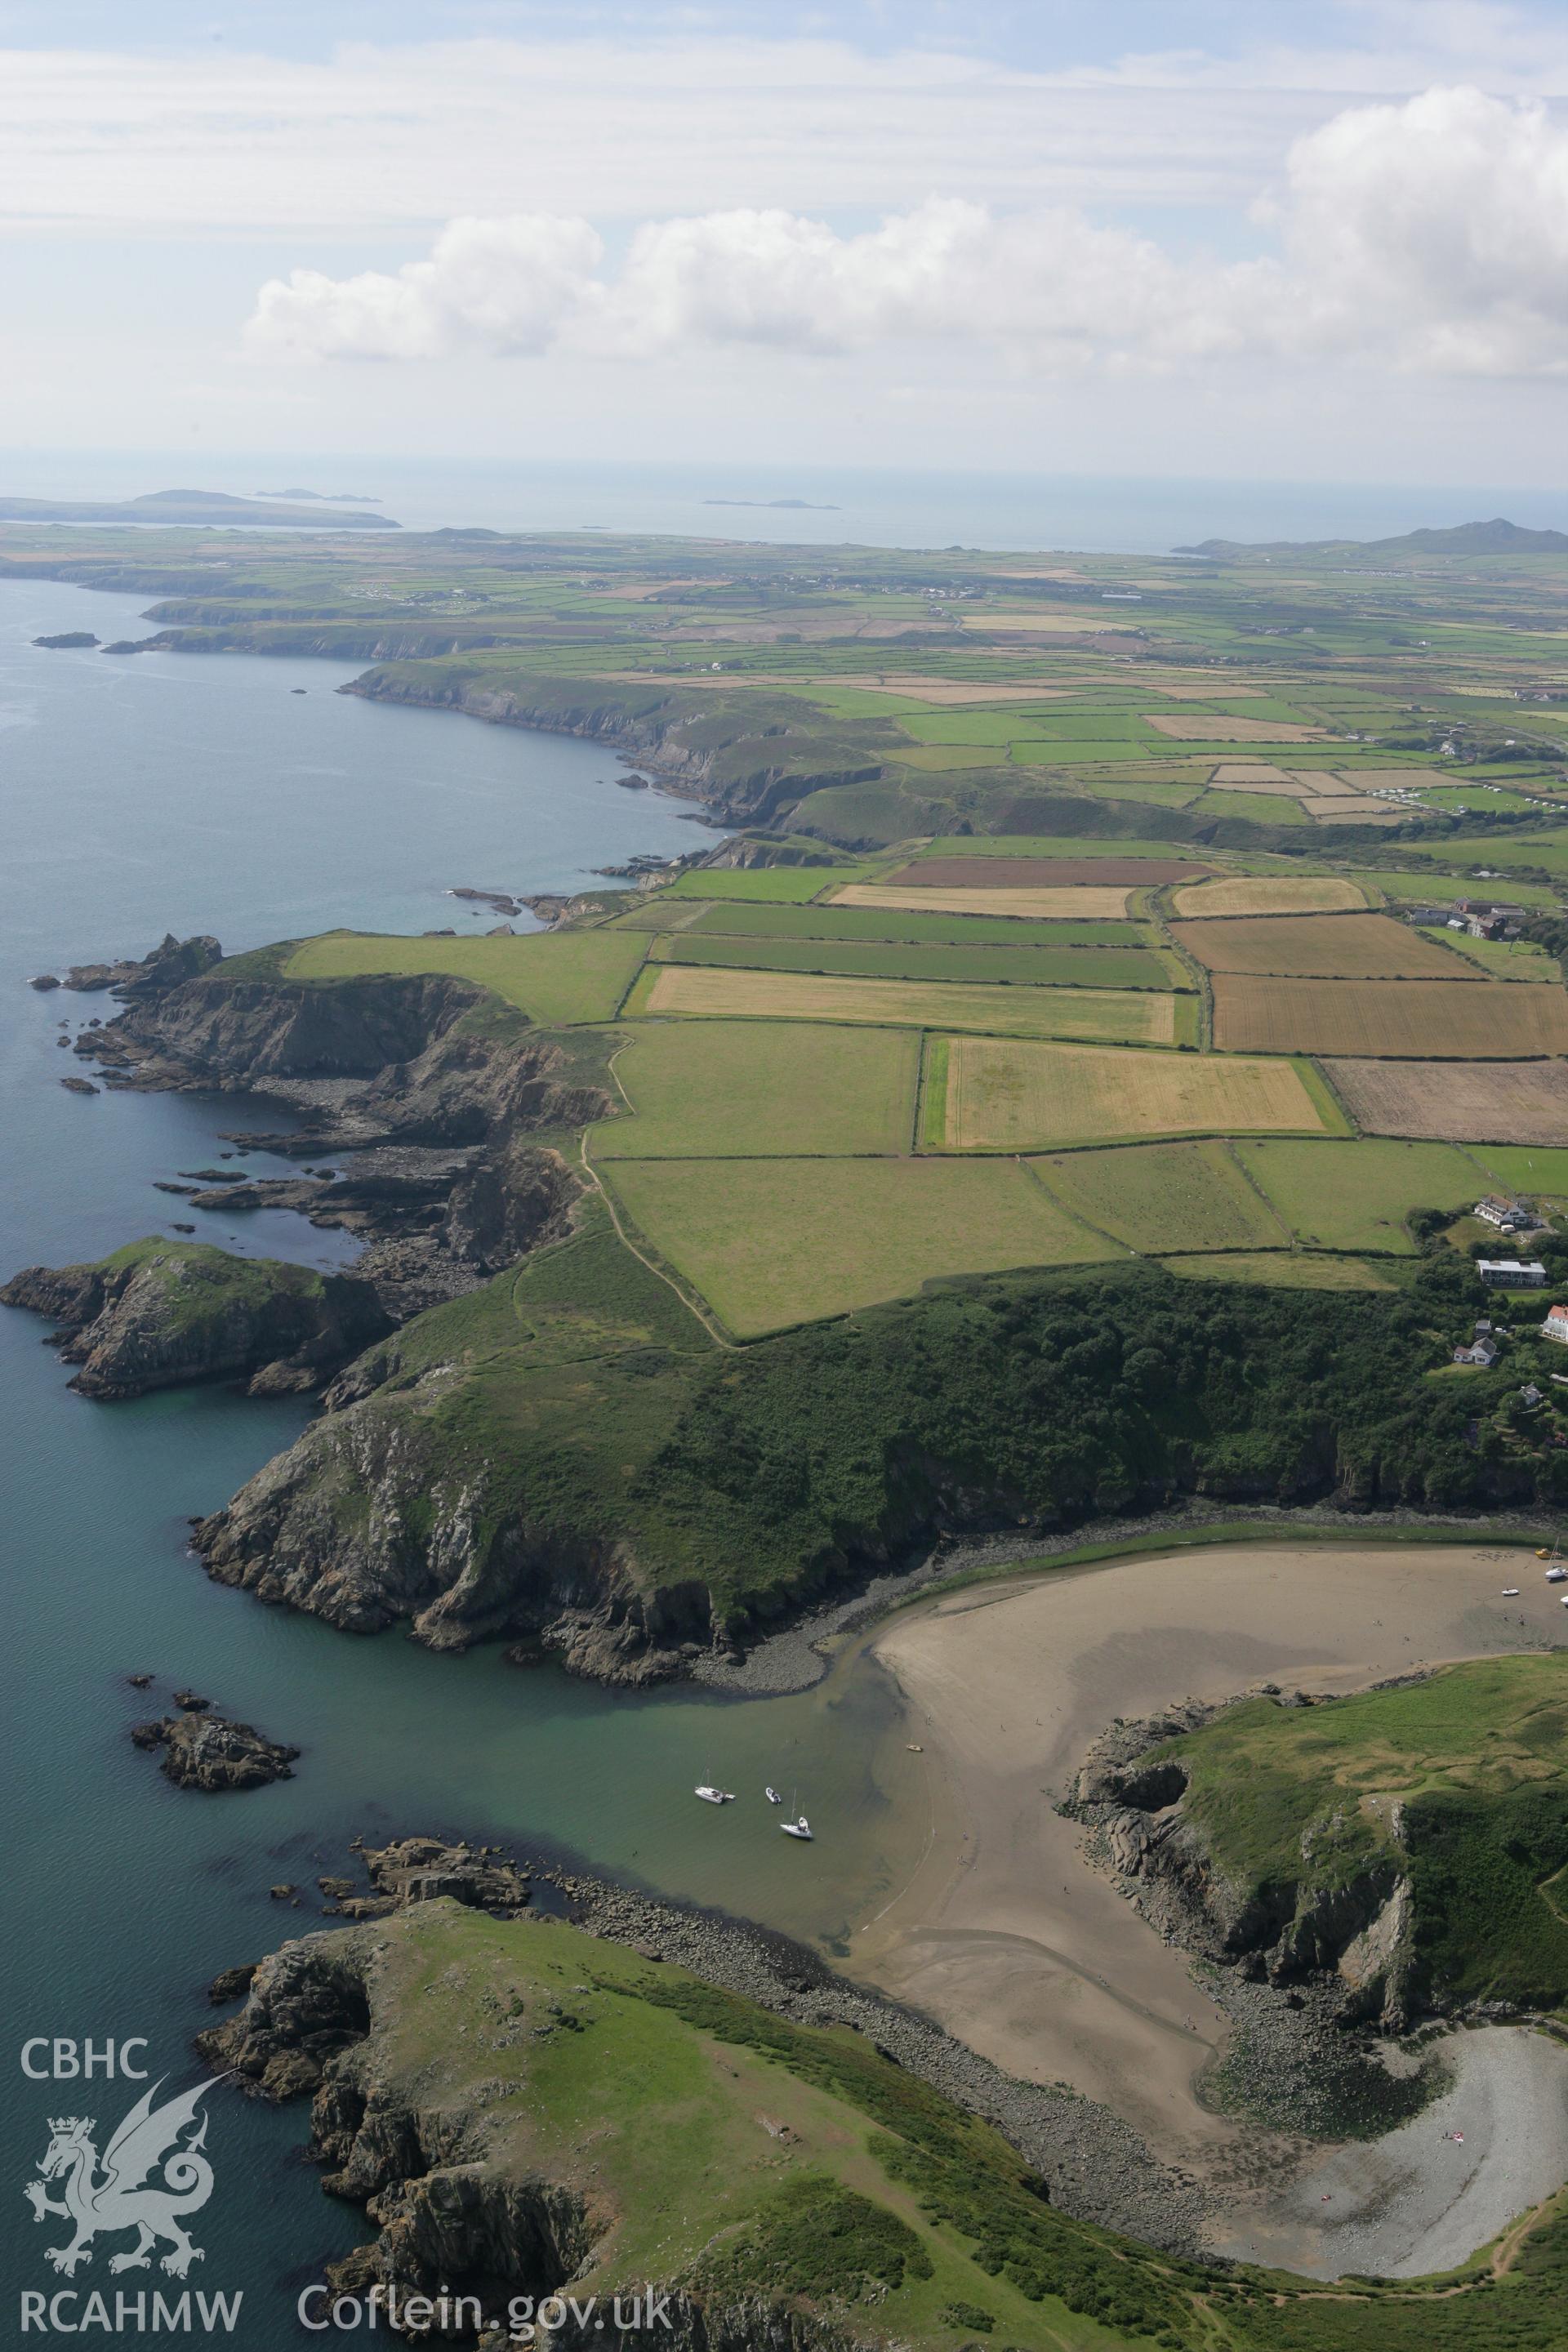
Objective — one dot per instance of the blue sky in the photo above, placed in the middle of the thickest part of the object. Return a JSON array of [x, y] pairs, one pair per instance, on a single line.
[[1204, 237]]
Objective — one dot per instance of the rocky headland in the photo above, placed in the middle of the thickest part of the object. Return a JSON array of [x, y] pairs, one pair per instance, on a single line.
[[161, 1314]]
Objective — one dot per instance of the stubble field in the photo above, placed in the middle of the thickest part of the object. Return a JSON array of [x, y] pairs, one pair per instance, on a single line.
[[1003, 1096]]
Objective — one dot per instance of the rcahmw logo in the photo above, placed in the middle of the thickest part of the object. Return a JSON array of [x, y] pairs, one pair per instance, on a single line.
[[151, 2178]]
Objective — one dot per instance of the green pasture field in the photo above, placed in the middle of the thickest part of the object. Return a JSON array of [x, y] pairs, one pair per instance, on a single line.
[[740, 919], [1076, 752], [1257, 808], [1547, 849], [557, 978], [1356, 1196], [1487, 799], [998, 727], [1149, 1194], [1026, 967], [1504, 958], [696, 992], [1443, 889], [782, 884], [720, 1089], [1284, 1270], [939, 759], [1527, 1168], [773, 1243]]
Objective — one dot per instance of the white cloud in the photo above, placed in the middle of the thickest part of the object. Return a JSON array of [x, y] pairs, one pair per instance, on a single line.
[[1436, 231], [1432, 234], [505, 287]]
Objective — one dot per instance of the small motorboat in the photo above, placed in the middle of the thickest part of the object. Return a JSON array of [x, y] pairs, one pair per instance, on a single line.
[[801, 1829], [914, 1749], [1558, 1575], [773, 1796], [710, 1795], [1511, 1592]]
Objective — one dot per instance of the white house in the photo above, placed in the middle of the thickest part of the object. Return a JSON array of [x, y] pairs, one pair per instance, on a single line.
[[1509, 1216], [1556, 1325]]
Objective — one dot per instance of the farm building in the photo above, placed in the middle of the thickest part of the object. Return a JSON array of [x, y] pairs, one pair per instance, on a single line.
[[1512, 1273], [1556, 1325], [1509, 1216]]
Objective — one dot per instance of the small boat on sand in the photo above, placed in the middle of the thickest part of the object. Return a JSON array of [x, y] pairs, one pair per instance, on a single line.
[[1511, 1592], [801, 1829], [773, 1796], [712, 1795], [913, 1748]]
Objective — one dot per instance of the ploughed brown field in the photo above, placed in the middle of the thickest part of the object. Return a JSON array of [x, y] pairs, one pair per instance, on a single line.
[[1342, 947], [1441, 1020], [1043, 873], [1492, 1102]]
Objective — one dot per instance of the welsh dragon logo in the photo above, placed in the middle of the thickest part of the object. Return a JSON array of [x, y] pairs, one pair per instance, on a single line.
[[121, 2196]]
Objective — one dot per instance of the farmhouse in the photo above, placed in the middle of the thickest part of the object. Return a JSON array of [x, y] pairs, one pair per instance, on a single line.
[[1511, 1273], [1556, 1326], [1483, 1352], [1509, 1216]]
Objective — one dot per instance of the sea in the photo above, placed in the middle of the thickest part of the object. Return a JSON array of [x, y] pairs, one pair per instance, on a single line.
[[245, 797], [814, 506]]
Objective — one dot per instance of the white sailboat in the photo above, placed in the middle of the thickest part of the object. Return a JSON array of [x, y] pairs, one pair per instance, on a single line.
[[800, 1828], [712, 1795]]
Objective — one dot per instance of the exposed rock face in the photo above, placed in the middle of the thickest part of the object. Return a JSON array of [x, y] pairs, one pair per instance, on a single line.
[[207, 1752], [423, 1869], [159, 1316], [362, 1523], [1351, 1936], [170, 962]]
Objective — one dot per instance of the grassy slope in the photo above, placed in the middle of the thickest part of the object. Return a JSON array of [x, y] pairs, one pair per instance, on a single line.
[[778, 1242], [1144, 1195], [1476, 1759]]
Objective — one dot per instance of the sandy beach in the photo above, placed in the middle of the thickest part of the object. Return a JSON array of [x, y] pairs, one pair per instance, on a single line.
[[1010, 1941]]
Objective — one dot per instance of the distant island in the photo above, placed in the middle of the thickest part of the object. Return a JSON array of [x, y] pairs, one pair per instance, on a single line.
[[1495, 538], [326, 498], [801, 506], [183, 506]]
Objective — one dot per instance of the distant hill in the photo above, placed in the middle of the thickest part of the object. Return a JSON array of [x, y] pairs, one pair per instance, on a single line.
[[1495, 538], [185, 506]]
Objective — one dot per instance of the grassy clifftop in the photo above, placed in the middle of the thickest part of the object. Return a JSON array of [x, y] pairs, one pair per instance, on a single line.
[[1458, 1784]]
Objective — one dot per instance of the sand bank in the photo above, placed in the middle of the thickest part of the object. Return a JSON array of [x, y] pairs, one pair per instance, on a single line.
[[1004, 1935]]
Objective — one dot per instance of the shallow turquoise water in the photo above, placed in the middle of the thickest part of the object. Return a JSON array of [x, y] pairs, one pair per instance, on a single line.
[[183, 794]]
